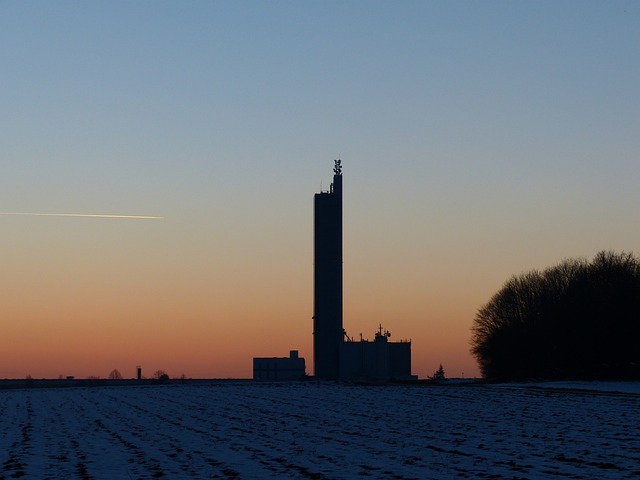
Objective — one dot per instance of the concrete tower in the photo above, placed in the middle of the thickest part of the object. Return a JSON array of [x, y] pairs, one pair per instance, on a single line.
[[327, 279]]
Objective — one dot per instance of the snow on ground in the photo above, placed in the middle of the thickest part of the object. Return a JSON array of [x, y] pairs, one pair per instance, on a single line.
[[317, 431], [596, 386]]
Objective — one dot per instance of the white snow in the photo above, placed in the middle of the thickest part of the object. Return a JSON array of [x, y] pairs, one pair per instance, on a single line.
[[596, 386], [319, 431]]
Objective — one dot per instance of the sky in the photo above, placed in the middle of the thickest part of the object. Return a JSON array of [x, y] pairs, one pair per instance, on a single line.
[[478, 140]]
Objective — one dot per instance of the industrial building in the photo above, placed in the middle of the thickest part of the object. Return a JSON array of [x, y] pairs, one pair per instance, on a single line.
[[335, 355], [378, 361], [327, 278], [279, 368]]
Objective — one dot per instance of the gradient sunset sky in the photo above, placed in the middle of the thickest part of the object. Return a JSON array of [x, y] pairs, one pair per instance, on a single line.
[[478, 140]]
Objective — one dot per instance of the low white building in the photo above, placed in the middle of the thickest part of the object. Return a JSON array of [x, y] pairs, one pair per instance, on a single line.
[[279, 368]]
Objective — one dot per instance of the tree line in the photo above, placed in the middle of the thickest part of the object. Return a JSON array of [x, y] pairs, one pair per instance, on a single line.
[[578, 320]]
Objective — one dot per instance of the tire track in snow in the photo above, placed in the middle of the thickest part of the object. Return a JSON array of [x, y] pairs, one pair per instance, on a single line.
[[18, 452]]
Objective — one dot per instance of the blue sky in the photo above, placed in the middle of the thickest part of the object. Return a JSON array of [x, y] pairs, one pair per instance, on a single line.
[[479, 140]]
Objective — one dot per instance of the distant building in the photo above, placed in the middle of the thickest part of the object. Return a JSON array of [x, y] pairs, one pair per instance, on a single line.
[[327, 278], [334, 357], [279, 368], [378, 361]]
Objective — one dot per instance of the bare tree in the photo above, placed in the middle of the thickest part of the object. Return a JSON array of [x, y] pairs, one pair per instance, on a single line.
[[161, 375], [578, 319], [115, 375]]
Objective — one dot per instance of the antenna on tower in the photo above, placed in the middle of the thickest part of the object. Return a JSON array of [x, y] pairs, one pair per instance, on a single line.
[[337, 168]]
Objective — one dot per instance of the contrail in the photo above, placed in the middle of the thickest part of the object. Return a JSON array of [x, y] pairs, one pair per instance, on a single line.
[[93, 215]]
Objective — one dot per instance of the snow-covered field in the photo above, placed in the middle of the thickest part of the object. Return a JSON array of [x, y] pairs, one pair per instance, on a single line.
[[318, 431]]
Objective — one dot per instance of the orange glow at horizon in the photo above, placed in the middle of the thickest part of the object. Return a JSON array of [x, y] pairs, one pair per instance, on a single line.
[[101, 299], [193, 343]]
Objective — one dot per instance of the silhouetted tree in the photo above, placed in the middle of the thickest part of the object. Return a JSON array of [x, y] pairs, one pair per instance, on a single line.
[[161, 375], [115, 375], [574, 320], [439, 374]]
